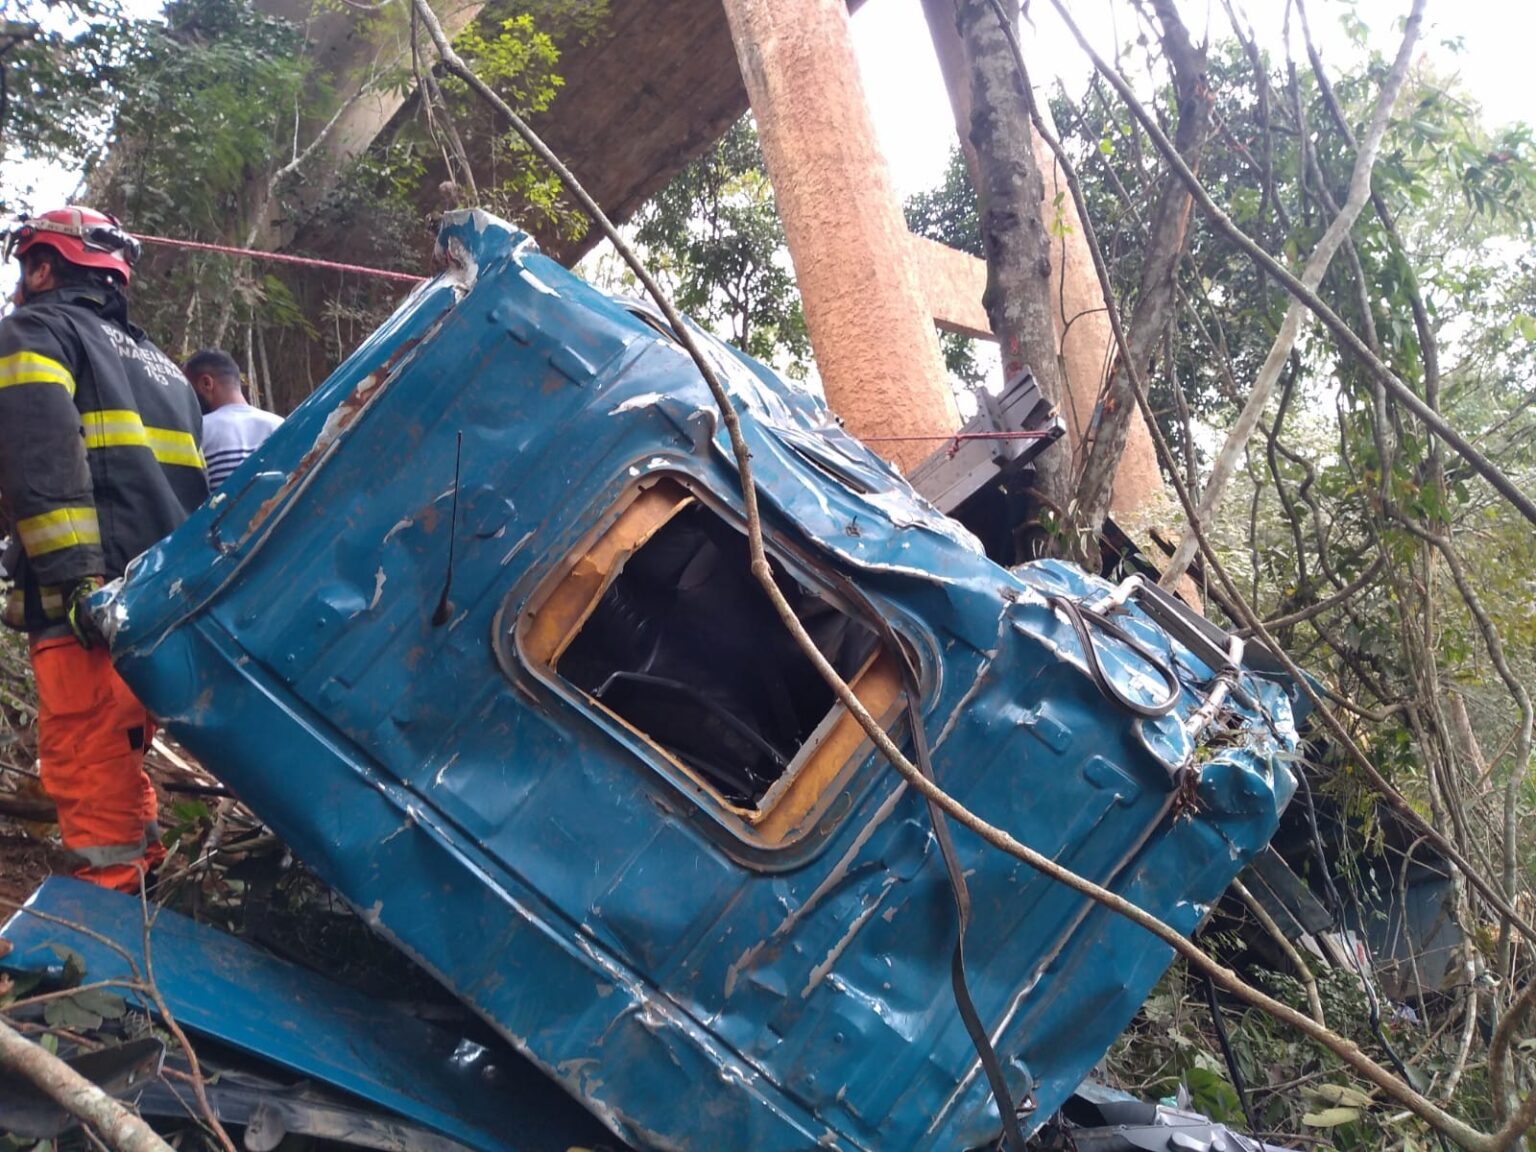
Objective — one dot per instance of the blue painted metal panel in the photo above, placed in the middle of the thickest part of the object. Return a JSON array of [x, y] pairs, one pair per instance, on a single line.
[[218, 986], [690, 985]]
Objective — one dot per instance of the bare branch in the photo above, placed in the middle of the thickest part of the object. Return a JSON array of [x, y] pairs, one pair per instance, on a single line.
[[1156, 296], [1303, 970], [120, 1128], [1317, 264], [1342, 331]]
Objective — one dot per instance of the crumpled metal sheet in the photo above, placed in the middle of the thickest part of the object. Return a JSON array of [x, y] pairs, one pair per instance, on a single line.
[[690, 987], [220, 987]]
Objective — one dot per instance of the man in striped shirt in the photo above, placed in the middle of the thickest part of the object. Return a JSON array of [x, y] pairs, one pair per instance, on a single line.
[[232, 428]]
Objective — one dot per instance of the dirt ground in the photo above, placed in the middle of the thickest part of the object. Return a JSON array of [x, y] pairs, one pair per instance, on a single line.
[[25, 862], [26, 857]]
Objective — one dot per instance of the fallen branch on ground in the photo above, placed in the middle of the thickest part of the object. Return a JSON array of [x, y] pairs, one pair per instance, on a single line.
[[120, 1128]]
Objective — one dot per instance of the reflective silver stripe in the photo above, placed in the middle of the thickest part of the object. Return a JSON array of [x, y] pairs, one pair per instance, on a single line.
[[101, 855]]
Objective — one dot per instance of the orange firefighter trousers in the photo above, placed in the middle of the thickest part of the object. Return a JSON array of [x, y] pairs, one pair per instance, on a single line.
[[91, 736]]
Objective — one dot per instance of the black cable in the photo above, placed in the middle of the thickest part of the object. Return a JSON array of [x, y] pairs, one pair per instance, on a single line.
[[1335, 904], [1079, 617], [1013, 1135], [189, 789], [1238, 1083]]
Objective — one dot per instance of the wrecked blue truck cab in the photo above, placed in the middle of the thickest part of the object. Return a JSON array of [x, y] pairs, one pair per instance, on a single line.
[[475, 634]]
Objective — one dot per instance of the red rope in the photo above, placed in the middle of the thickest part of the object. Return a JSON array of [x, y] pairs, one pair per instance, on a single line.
[[284, 258], [957, 437], [309, 262]]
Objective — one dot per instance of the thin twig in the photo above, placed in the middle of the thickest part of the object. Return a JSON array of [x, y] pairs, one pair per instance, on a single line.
[[1303, 969], [209, 1116], [1342, 331], [1312, 275]]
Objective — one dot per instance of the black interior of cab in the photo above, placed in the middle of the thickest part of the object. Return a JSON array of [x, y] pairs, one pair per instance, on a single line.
[[685, 647]]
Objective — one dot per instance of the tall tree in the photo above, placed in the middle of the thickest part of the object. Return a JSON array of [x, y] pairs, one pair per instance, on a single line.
[[62, 76], [1014, 232], [1156, 296]]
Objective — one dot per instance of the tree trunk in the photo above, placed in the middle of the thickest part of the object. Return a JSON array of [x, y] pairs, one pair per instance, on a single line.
[[1168, 232], [1013, 231], [865, 310]]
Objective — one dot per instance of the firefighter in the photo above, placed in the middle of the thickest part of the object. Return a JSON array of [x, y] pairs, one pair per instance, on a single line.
[[99, 459]]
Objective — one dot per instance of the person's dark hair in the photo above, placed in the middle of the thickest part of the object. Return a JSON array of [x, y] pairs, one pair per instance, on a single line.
[[67, 275], [213, 361]]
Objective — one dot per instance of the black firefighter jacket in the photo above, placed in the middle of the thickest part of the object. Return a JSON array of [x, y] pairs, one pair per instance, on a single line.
[[99, 455]]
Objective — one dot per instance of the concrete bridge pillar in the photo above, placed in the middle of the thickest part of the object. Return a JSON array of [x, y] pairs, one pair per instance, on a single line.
[[865, 308]]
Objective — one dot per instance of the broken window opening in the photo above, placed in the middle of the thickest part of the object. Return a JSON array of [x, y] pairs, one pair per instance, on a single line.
[[661, 624]]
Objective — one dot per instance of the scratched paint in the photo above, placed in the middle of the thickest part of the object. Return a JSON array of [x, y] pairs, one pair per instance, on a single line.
[[692, 984]]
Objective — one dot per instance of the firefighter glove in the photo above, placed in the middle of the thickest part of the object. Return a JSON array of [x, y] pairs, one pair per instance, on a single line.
[[81, 622]]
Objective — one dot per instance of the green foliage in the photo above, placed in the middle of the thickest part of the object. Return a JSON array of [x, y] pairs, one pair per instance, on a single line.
[[1464, 200], [62, 87], [715, 232], [949, 213], [1293, 1085], [210, 103], [519, 62], [85, 1010], [202, 108], [1339, 481], [202, 113]]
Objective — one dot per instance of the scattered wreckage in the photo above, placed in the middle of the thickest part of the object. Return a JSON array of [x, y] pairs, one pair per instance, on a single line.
[[474, 633]]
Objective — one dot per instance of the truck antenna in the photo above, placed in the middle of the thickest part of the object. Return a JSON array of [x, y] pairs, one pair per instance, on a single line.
[[444, 605]]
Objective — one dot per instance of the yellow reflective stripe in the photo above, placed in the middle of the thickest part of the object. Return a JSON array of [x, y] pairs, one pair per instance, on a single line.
[[30, 368], [122, 428], [173, 447], [113, 429], [49, 596], [62, 528], [52, 600]]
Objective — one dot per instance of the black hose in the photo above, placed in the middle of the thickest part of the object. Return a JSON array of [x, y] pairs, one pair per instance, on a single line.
[[1079, 617], [1012, 1134], [1335, 903], [189, 789], [1238, 1083]]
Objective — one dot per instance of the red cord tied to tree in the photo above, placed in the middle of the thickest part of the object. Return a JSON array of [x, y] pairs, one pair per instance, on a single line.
[[955, 439], [283, 258]]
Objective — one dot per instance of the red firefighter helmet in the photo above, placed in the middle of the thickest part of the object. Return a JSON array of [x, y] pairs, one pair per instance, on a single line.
[[81, 236]]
